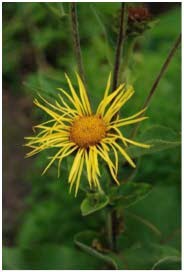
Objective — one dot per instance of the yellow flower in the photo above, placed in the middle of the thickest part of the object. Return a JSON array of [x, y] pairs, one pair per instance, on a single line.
[[74, 128]]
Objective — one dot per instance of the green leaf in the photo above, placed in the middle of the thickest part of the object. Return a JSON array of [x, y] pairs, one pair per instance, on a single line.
[[47, 256], [162, 208], [129, 193], [93, 202], [159, 137], [40, 82], [126, 172], [85, 240], [104, 31], [146, 222], [144, 256], [137, 256]]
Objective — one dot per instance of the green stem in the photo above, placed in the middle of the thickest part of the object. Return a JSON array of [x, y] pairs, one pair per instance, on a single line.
[[76, 39], [112, 223], [158, 78]]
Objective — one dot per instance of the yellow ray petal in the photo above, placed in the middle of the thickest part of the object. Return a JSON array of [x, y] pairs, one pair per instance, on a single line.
[[95, 157], [122, 151], [108, 86], [75, 103], [69, 150], [137, 144], [130, 117], [56, 116], [79, 174], [104, 155], [125, 123], [118, 103], [75, 96], [75, 166], [88, 167], [118, 135], [61, 109], [104, 103], [83, 95], [67, 107], [116, 158], [94, 165], [54, 158]]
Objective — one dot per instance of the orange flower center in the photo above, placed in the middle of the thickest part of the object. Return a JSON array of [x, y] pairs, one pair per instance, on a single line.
[[88, 130]]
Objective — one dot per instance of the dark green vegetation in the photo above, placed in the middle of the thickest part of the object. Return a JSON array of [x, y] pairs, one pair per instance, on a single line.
[[37, 50]]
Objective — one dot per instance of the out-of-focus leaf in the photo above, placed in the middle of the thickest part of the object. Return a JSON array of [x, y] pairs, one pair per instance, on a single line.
[[162, 209], [93, 202], [48, 256], [138, 256], [159, 137], [88, 241], [104, 31], [126, 172], [129, 193], [45, 85], [147, 223]]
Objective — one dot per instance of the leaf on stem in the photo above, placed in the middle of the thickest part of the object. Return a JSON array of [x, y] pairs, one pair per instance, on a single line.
[[93, 202], [168, 263], [148, 256]]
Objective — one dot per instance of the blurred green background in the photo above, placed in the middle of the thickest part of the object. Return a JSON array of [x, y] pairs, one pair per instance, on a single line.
[[40, 218]]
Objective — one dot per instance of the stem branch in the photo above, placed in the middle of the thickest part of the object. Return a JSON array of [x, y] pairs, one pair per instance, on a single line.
[[76, 39], [119, 46], [112, 218], [158, 78]]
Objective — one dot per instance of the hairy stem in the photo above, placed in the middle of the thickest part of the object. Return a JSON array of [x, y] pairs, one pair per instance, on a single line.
[[158, 78], [76, 39]]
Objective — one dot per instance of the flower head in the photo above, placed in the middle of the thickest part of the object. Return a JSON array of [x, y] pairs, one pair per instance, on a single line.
[[74, 128]]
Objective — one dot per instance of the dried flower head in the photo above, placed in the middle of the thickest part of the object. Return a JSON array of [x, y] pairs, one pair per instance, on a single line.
[[74, 128], [138, 20], [138, 14]]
